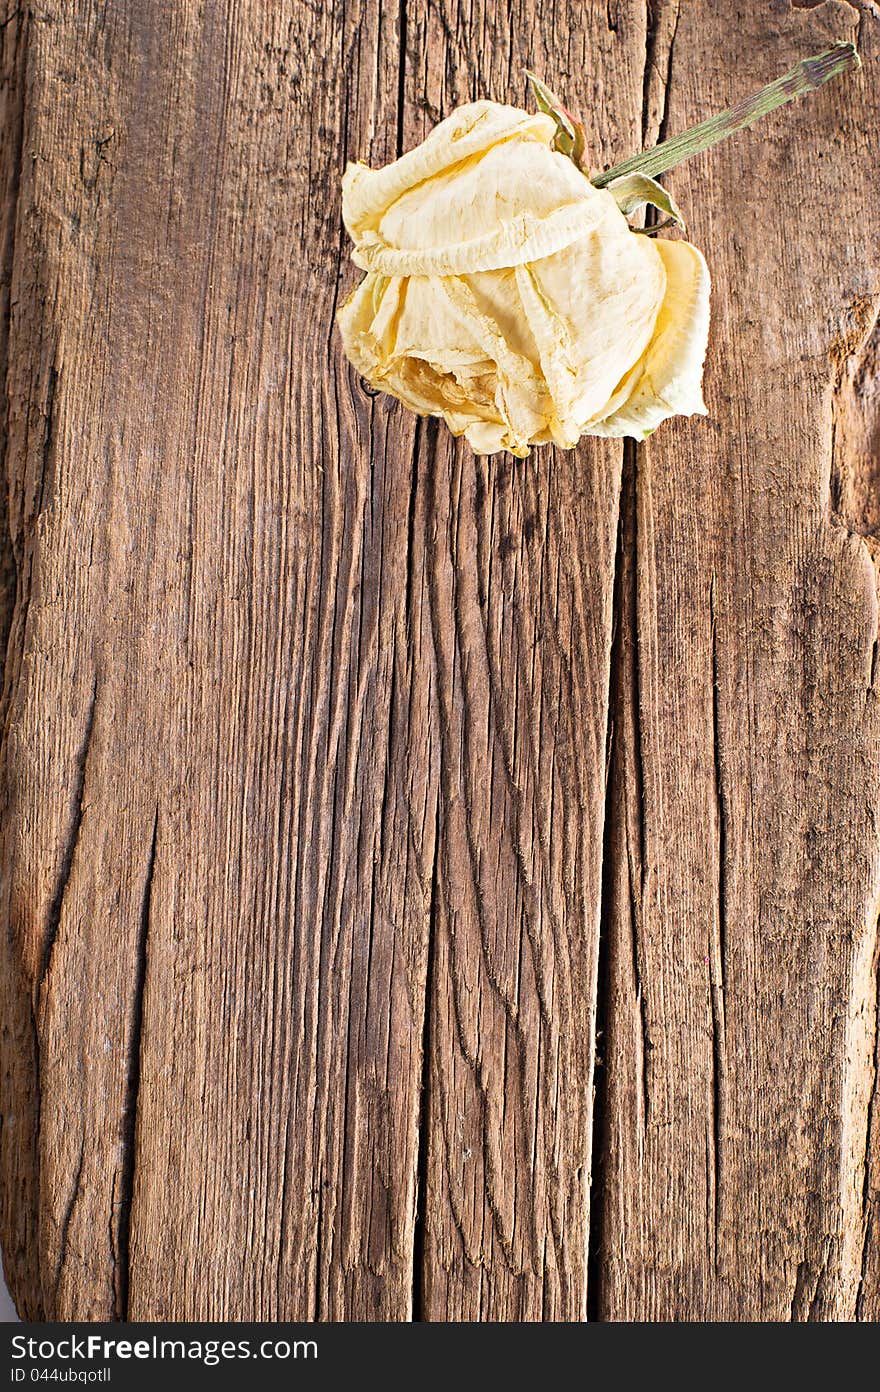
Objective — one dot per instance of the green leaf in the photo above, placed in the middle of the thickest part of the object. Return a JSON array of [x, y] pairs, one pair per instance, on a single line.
[[571, 137], [634, 191]]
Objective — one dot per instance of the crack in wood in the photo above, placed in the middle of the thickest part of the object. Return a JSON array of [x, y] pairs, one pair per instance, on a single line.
[[48, 449], [854, 451], [65, 1222], [865, 9], [628, 660], [800, 1299], [720, 795], [122, 1244], [317, 1304], [631, 472], [419, 1293], [809, 1287], [487, 921], [53, 915], [663, 128], [717, 948], [599, 1120], [34, 1156], [15, 129], [634, 918], [410, 534], [656, 25], [650, 42], [401, 75], [596, 1188], [872, 1134]]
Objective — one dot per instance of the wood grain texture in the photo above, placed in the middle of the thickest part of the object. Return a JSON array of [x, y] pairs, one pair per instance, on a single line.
[[353, 787], [519, 573], [742, 918]]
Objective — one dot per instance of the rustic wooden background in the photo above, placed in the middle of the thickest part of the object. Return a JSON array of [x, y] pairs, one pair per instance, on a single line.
[[431, 887]]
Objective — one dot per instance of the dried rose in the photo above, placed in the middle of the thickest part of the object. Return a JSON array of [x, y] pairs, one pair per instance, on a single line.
[[506, 293]]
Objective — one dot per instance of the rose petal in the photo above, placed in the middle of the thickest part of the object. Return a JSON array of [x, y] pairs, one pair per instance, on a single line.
[[668, 379]]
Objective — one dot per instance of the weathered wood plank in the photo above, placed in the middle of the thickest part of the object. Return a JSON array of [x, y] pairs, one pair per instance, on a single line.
[[742, 918], [299, 888], [241, 596], [307, 712], [19, 1173], [221, 796], [519, 571]]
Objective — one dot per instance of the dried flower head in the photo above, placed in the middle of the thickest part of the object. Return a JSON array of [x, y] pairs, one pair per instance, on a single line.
[[505, 290]]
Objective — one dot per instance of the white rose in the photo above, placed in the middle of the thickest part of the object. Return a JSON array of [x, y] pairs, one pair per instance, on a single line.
[[508, 295]]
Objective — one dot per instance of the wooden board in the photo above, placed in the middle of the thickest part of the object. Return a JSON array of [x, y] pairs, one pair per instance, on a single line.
[[353, 787]]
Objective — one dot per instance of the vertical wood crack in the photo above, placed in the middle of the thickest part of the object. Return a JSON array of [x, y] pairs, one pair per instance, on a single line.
[[65, 1222], [122, 1266], [717, 946], [419, 1301], [53, 916], [401, 75], [599, 1128], [653, 46], [625, 786], [8, 550], [869, 1227], [49, 435]]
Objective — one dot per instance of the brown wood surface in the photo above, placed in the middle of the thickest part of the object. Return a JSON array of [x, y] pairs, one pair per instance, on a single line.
[[432, 886]]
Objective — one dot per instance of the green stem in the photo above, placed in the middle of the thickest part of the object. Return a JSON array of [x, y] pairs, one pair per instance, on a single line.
[[805, 77]]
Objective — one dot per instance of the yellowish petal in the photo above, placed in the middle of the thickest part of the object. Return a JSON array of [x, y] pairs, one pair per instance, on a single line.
[[592, 310], [368, 193], [516, 202], [669, 381]]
